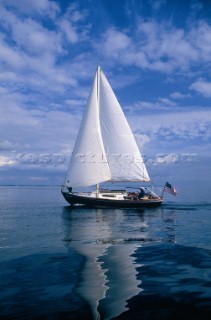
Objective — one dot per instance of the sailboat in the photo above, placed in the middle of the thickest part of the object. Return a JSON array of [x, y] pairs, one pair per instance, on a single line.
[[106, 151]]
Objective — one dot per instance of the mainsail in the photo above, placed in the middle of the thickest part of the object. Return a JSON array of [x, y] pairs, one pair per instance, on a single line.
[[105, 148], [88, 164]]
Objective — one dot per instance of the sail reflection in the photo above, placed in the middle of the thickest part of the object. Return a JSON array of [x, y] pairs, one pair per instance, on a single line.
[[108, 239]]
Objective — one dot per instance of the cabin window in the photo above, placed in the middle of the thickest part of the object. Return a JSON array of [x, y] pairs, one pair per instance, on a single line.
[[108, 196]]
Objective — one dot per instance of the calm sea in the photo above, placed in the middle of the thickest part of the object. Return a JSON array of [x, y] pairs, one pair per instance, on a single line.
[[63, 263]]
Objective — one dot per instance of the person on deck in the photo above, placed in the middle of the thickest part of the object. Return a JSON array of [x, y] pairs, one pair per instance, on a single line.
[[70, 189], [141, 193]]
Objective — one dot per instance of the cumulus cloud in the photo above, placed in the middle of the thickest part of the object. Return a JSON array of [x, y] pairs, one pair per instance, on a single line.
[[9, 57], [32, 7], [185, 125], [33, 38], [200, 38], [72, 25], [202, 87], [167, 102], [30, 51], [6, 161], [159, 46], [114, 43], [31, 129], [141, 139], [161, 104], [179, 95]]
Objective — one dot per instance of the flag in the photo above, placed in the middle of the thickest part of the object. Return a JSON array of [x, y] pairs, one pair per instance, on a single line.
[[168, 188]]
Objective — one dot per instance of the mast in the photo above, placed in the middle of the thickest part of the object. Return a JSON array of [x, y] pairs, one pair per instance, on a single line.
[[98, 86], [98, 105]]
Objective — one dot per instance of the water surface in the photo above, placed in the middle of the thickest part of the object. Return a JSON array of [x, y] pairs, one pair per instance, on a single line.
[[63, 263]]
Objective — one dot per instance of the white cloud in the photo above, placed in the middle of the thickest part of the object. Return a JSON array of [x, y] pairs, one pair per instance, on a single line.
[[114, 43], [35, 39], [185, 125], [9, 56], [179, 95], [31, 53], [143, 105], [8, 76], [6, 145], [33, 129], [200, 38], [72, 25], [202, 86], [32, 7], [39, 179], [3, 90], [29, 37], [157, 4], [6, 161], [162, 104], [196, 6], [141, 139], [167, 102], [75, 103], [69, 31], [159, 46]]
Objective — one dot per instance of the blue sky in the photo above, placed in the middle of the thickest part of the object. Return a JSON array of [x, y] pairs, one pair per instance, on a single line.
[[156, 55]]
